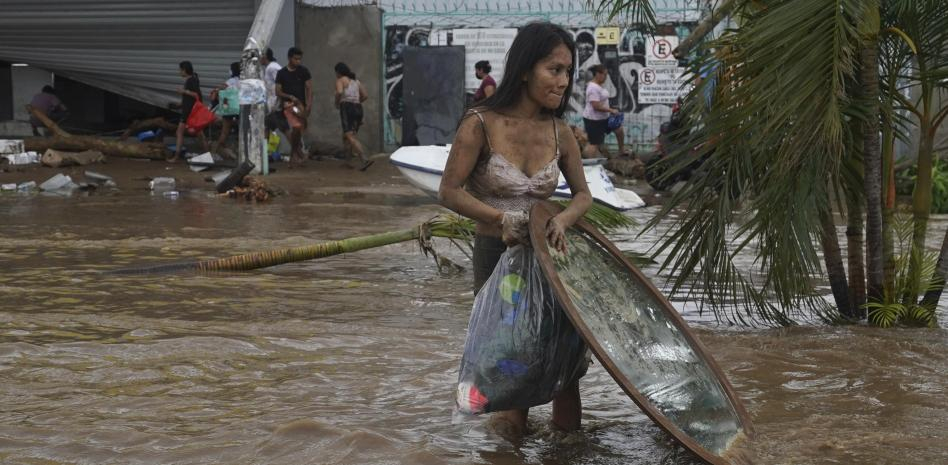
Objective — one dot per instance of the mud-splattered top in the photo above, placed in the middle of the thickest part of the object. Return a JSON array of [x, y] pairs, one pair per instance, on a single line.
[[499, 183]]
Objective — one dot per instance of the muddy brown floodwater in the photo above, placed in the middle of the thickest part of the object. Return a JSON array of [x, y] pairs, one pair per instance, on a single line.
[[353, 359]]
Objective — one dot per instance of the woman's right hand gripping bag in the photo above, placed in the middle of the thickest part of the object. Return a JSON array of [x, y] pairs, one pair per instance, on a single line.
[[521, 348]]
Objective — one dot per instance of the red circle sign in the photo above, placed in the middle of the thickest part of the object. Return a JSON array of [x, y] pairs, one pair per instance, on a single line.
[[662, 49], [648, 76]]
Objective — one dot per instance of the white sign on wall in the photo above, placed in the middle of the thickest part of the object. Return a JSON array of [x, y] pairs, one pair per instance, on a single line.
[[661, 80], [483, 44]]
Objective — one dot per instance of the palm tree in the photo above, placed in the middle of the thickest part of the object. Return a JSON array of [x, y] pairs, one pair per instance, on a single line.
[[457, 229], [790, 140]]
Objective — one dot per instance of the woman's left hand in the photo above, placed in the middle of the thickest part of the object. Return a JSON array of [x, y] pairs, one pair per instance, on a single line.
[[556, 234]]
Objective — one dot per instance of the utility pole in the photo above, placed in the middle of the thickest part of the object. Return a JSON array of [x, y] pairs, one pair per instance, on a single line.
[[253, 134]]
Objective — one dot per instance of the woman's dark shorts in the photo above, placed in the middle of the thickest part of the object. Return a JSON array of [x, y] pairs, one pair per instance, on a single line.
[[185, 113], [596, 130], [351, 116], [487, 252], [276, 120]]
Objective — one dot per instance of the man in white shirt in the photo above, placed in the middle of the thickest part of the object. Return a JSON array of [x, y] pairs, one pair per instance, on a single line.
[[269, 78], [596, 114]]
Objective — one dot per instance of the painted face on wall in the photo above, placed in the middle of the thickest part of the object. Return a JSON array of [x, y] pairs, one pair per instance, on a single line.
[[585, 45], [547, 82]]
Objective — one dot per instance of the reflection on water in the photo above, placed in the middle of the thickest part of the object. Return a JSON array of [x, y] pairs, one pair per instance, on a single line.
[[645, 345], [353, 359]]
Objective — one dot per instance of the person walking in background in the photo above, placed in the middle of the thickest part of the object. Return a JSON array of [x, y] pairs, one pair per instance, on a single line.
[[294, 87], [190, 93], [596, 114], [350, 93], [49, 104], [488, 85], [233, 82], [271, 68], [269, 78]]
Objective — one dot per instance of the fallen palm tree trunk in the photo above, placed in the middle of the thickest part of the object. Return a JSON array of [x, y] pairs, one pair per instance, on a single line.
[[150, 123], [107, 147], [269, 258], [451, 227], [50, 124], [63, 140], [157, 123]]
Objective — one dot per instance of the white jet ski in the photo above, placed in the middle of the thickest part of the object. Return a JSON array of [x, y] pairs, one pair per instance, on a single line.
[[423, 166]]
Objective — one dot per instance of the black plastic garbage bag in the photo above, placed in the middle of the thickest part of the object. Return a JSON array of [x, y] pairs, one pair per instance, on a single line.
[[521, 348]]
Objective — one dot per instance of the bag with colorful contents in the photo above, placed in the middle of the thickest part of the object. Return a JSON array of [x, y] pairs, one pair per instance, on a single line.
[[521, 348]]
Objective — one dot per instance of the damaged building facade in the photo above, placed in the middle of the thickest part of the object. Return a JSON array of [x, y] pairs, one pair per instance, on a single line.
[[114, 61]]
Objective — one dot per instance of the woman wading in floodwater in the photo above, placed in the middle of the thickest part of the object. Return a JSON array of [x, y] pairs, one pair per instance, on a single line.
[[507, 155]]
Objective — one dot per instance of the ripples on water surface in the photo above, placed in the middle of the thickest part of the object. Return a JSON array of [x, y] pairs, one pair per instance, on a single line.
[[352, 359]]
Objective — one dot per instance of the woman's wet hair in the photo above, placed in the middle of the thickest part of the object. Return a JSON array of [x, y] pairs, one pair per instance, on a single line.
[[533, 43], [187, 67], [235, 69], [483, 66], [596, 69], [343, 70]]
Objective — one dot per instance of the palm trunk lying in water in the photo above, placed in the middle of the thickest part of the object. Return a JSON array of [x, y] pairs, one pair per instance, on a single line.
[[445, 226]]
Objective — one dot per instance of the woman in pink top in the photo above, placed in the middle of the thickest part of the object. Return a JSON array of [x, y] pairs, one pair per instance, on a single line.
[[507, 155], [596, 114]]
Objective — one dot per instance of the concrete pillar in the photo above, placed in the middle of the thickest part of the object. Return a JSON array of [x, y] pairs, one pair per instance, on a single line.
[[253, 136], [352, 35]]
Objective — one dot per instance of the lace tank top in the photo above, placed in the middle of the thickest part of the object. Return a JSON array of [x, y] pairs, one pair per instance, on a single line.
[[351, 92], [499, 183]]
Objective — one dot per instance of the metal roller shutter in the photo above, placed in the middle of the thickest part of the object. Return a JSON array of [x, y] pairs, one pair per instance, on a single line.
[[128, 47]]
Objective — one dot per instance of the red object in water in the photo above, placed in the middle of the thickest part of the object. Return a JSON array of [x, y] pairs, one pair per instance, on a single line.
[[470, 399], [200, 118]]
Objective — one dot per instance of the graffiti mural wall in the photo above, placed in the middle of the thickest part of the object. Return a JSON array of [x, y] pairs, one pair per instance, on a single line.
[[396, 39], [624, 60]]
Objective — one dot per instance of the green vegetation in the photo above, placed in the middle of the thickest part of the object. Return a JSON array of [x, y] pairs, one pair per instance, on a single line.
[[905, 183], [891, 310], [796, 109]]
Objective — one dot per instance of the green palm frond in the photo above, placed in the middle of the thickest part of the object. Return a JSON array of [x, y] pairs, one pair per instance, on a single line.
[[893, 309], [638, 12], [885, 315], [453, 227], [925, 23], [774, 139], [604, 218]]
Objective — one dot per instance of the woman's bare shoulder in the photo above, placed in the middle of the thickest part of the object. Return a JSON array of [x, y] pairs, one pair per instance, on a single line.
[[477, 110]]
